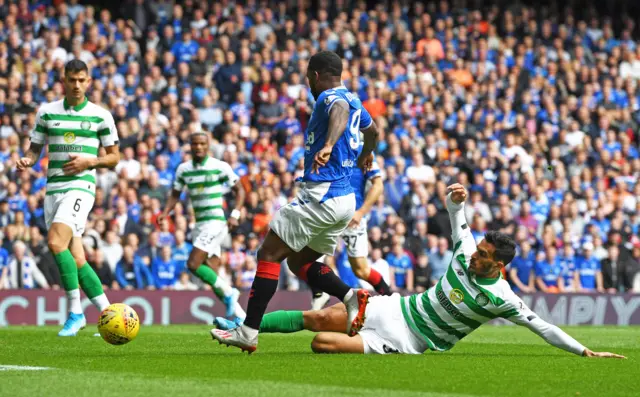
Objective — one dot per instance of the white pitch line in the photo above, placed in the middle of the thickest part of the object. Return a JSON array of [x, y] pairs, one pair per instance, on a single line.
[[22, 368]]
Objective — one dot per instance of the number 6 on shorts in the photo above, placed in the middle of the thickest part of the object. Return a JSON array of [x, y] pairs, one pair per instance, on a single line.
[[76, 206]]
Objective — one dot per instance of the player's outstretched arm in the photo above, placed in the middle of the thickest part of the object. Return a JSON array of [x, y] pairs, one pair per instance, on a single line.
[[550, 333], [456, 197]]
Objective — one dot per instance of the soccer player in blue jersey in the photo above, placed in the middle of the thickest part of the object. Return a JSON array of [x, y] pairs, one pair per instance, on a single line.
[[367, 186], [309, 227]]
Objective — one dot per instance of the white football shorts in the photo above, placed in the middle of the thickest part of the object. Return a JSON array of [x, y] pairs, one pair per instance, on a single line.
[[308, 222], [385, 330], [209, 236], [71, 208]]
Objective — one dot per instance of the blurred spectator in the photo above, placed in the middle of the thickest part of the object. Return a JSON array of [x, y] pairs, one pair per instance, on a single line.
[[569, 269], [101, 267], [422, 273], [401, 269], [521, 272], [181, 249], [589, 271], [112, 250], [548, 270], [132, 273], [150, 250], [617, 274], [246, 274], [440, 258], [123, 221], [164, 269], [7, 217], [377, 262], [184, 283], [22, 271]]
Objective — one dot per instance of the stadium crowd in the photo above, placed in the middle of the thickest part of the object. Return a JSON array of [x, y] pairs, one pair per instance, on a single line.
[[536, 110]]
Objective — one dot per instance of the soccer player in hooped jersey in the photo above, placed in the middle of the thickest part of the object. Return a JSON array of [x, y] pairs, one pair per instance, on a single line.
[[471, 293], [74, 129], [310, 225], [205, 178]]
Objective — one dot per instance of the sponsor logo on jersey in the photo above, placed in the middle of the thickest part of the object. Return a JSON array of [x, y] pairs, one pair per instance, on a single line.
[[446, 304], [85, 125], [482, 299], [456, 296], [460, 272], [71, 148], [69, 137], [348, 163]]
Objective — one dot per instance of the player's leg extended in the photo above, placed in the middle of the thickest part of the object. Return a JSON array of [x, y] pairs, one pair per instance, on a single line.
[[271, 253], [331, 319], [206, 251], [58, 239], [332, 342], [89, 280], [363, 271], [227, 294]]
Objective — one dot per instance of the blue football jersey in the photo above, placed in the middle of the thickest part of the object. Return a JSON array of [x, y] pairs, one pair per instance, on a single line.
[[359, 181], [345, 153]]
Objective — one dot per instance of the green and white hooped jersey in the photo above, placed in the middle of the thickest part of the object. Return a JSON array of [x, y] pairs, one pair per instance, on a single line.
[[206, 182], [69, 129], [460, 302]]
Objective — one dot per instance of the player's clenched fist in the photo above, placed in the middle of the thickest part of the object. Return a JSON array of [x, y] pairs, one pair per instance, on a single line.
[[458, 193], [24, 163]]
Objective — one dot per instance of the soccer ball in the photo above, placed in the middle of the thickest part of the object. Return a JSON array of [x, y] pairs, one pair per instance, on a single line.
[[118, 324]]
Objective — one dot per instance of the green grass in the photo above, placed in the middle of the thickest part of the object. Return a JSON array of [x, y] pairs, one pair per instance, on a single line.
[[183, 361]]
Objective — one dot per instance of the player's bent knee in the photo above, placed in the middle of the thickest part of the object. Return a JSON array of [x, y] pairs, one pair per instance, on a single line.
[[192, 265], [317, 320], [55, 243], [266, 255]]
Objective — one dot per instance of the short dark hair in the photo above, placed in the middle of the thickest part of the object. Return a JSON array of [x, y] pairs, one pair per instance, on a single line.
[[326, 62], [504, 245], [75, 66], [197, 134]]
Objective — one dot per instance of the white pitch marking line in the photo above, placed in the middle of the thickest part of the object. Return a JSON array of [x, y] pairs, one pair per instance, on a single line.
[[22, 368]]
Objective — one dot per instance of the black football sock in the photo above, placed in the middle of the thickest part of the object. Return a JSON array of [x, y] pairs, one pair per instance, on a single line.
[[320, 277], [263, 288]]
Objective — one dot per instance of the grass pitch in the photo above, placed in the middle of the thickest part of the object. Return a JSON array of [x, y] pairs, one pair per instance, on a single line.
[[184, 361]]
